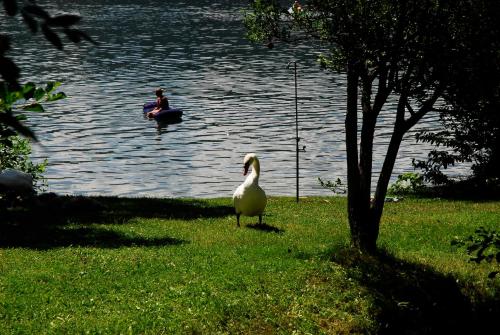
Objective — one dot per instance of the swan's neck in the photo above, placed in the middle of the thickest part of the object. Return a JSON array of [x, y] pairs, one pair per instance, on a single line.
[[254, 175]]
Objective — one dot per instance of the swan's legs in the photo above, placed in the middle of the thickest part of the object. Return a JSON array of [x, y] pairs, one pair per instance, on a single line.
[[260, 219], [238, 219]]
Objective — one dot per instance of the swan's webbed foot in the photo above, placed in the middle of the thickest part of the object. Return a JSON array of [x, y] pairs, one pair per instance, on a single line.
[[238, 219], [260, 219]]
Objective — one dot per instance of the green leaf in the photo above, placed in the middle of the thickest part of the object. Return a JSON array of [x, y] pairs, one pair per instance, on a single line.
[[65, 20], [10, 7], [73, 35], [52, 37], [39, 94], [9, 71], [52, 85], [28, 90], [76, 36], [4, 44], [57, 96], [30, 22], [36, 107], [86, 37], [36, 10], [12, 97]]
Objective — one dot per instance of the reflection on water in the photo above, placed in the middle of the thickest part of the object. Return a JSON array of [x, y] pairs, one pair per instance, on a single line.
[[237, 98], [162, 126]]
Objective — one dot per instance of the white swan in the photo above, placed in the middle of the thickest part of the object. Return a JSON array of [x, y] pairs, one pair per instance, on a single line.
[[16, 181], [249, 198]]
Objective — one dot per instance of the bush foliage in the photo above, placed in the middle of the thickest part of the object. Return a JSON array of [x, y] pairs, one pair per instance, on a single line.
[[482, 246]]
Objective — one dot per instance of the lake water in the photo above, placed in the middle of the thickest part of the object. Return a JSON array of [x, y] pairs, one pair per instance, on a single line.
[[237, 98]]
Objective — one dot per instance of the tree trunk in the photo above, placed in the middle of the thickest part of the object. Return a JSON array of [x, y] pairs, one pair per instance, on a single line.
[[365, 213], [400, 128], [385, 174], [364, 231]]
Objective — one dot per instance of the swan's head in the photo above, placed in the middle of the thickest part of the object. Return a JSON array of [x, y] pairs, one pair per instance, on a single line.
[[247, 161]]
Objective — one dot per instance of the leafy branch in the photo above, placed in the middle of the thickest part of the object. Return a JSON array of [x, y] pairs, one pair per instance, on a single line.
[[52, 27], [28, 98], [482, 246]]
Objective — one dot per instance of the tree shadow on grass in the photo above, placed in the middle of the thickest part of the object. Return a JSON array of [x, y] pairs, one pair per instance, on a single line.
[[45, 237], [467, 190], [412, 298], [52, 209], [50, 221]]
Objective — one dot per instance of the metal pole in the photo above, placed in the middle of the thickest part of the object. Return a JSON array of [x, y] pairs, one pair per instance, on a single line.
[[297, 128], [297, 138]]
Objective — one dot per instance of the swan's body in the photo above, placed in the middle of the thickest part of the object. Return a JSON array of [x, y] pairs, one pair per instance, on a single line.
[[16, 181], [249, 198]]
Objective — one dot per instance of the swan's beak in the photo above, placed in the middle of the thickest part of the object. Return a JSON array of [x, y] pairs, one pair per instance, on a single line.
[[245, 169]]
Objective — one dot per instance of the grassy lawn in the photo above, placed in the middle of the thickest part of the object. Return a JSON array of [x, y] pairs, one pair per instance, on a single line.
[[175, 266]]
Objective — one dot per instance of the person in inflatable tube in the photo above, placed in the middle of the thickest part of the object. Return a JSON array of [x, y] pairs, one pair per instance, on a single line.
[[161, 103]]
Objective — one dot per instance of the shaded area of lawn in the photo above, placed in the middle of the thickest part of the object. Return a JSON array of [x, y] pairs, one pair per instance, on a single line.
[[51, 221], [411, 298], [47, 237], [468, 189]]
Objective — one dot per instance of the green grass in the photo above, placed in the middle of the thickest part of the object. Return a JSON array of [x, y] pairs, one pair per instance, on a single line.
[[180, 266]]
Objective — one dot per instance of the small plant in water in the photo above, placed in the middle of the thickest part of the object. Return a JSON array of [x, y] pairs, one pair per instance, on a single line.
[[336, 187]]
